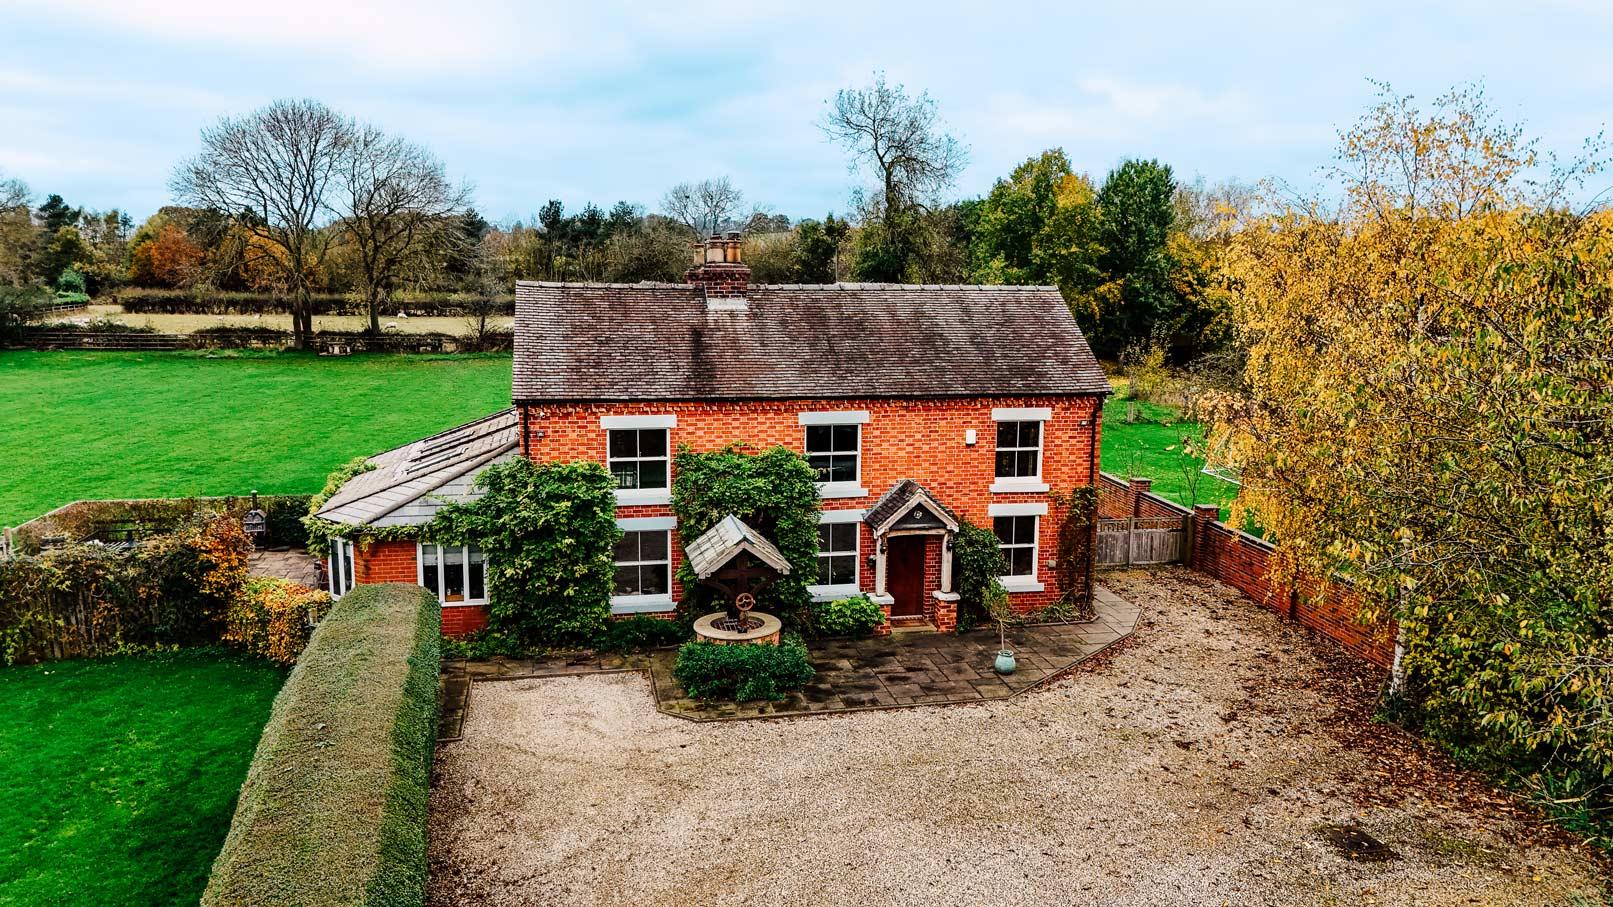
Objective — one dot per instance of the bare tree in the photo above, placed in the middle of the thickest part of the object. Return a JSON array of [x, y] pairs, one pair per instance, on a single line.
[[900, 138], [16, 231], [396, 201], [272, 172], [705, 207]]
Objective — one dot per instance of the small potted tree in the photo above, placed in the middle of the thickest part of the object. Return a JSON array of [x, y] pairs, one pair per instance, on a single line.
[[997, 606]]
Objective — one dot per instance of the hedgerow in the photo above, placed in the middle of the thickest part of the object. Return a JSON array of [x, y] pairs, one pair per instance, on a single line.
[[274, 618], [333, 810]]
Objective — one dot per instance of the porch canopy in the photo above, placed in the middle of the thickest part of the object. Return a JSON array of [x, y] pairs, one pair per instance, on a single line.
[[910, 509]]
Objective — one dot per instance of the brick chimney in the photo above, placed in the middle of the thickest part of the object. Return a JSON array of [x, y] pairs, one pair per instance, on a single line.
[[719, 270]]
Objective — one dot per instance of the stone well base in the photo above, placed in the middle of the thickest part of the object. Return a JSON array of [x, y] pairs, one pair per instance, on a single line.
[[765, 635]]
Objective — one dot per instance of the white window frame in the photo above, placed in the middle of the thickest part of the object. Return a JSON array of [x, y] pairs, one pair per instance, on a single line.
[[639, 604], [641, 423], [842, 590], [464, 566], [1021, 484], [341, 580], [1037, 512], [855, 418]]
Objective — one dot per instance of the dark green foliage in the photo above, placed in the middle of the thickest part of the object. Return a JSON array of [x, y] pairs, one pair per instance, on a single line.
[[1136, 214], [817, 248], [120, 774], [856, 615], [743, 673], [977, 568], [549, 533], [333, 810], [775, 493], [482, 645], [18, 305], [641, 633], [71, 283]]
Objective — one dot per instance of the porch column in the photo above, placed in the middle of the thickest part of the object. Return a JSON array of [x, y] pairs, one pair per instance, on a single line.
[[946, 562], [879, 567]]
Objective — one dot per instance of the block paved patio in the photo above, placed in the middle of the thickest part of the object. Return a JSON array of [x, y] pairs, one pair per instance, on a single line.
[[904, 669]]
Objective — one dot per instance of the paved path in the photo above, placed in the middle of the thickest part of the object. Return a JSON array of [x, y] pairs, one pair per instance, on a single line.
[[896, 671], [294, 564]]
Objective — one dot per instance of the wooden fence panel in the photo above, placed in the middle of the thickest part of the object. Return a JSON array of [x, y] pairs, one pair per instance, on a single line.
[[1141, 541]]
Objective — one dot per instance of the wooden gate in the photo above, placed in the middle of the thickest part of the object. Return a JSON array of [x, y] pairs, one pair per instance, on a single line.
[[1141, 541]]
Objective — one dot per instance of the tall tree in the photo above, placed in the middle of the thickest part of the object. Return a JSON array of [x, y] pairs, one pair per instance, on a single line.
[[1136, 213], [395, 200], [16, 233], [1426, 406], [706, 207], [901, 141], [56, 213], [274, 172]]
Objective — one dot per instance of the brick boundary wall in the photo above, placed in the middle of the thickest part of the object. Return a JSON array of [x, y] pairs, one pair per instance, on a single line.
[[1243, 562]]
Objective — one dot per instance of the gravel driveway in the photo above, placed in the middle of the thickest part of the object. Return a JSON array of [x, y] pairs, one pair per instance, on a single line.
[[1196, 764]]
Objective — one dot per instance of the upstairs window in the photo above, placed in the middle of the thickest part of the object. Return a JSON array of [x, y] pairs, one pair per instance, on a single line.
[[1019, 450], [456, 574], [1016, 536], [837, 554], [834, 451], [638, 457], [644, 564]]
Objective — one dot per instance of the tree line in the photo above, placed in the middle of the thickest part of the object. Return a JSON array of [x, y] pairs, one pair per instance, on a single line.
[[296, 199]]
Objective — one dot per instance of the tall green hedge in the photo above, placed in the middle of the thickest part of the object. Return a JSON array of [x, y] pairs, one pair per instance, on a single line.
[[333, 810]]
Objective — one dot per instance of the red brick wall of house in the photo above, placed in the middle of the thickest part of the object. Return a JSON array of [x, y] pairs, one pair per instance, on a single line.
[[463, 620], [385, 562], [922, 440]]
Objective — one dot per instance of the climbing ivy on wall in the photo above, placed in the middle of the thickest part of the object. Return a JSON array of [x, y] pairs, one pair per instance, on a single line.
[[1076, 543], [549, 533], [775, 493]]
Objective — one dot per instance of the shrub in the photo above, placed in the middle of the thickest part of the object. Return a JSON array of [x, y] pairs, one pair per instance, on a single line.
[[775, 493], [482, 645], [853, 616], [742, 673], [977, 564], [71, 284], [640, 633], [333, 810], [274, 617], [549, 533]]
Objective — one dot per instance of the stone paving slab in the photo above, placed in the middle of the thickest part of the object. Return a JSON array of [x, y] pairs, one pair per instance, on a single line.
[[293, 564], [897, 671]]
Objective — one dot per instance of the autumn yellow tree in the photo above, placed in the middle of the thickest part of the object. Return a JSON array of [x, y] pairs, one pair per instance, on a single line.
[[1430, 411]]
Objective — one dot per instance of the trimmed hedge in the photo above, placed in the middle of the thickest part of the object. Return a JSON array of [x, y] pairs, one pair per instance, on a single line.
[[333, 810], [855, 615], [710, 670]]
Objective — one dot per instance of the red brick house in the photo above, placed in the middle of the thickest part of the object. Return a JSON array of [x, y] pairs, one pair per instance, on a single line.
[[920, 406]]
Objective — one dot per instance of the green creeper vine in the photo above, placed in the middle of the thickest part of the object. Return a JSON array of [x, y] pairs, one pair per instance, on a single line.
[[775, 493], [1076, 543], [320, 530]]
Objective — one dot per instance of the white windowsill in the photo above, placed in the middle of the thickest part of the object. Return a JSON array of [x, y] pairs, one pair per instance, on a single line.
[[643, 496], [1021, 584], [640, 604], [1018, 486], [841, 490], [832, 593]]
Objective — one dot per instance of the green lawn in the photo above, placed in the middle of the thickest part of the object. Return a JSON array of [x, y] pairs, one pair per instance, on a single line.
[[118, 776], [111, 425], [1152, 447]]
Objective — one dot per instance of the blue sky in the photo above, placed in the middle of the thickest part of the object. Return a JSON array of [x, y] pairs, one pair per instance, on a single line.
[[605, 101]]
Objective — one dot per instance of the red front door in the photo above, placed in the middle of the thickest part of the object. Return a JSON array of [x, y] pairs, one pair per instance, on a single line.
[[904, 575]]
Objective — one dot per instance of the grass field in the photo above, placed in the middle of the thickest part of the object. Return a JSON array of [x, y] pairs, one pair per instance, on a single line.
[[118, 776], [107, 425], [110, 425], [1151, 447]]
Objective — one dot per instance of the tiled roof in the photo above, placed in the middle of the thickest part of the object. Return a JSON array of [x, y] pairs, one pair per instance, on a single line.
[[392, 493], [718, 545], [653, 341], [901, 496]]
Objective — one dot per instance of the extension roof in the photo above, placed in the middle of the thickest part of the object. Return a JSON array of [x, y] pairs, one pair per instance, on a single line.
[[409, 484], [659, 341]]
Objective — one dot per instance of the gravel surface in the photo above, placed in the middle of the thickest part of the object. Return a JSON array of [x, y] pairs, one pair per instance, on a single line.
[[1196, 764]]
